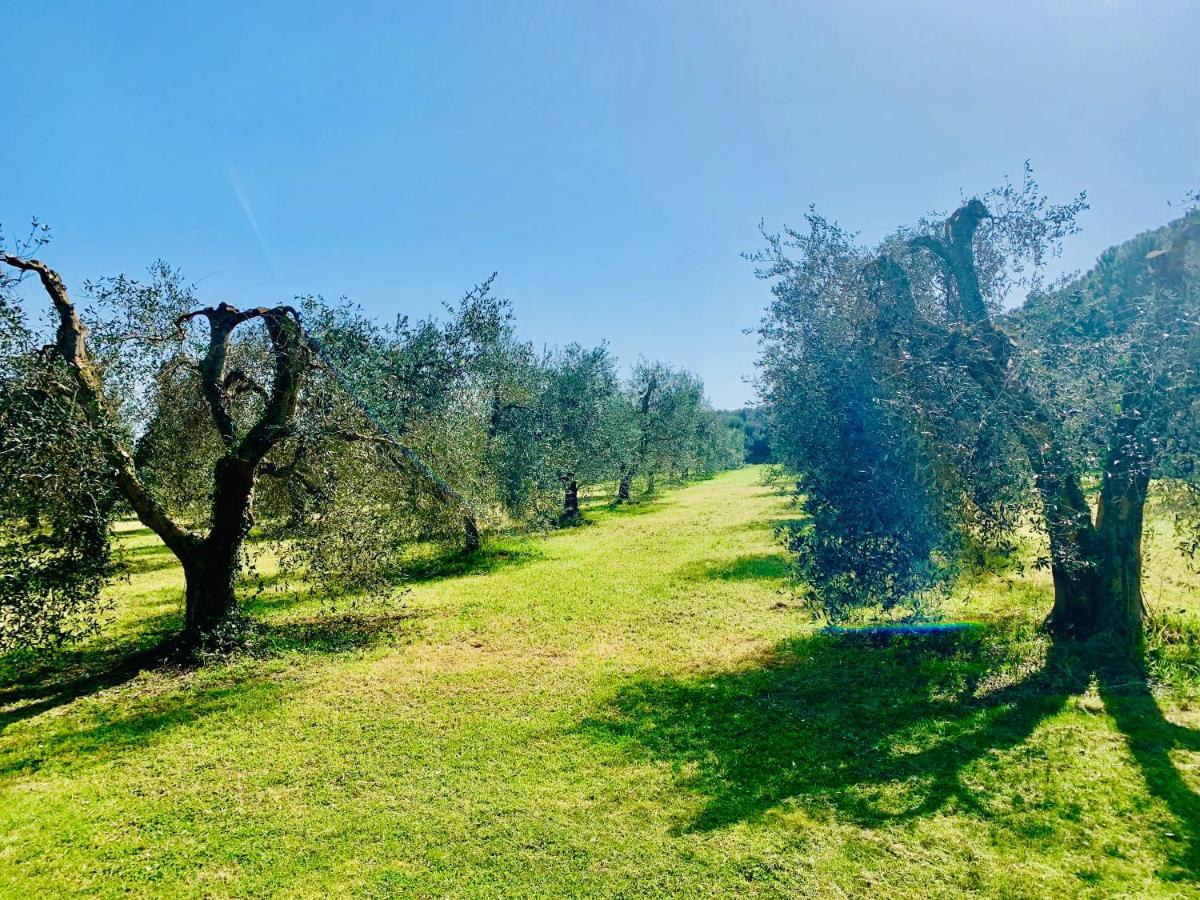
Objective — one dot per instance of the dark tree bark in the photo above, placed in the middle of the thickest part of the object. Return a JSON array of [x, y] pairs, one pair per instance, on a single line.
[[209, 561], [1095, 563], [571, 501], [624, 485]]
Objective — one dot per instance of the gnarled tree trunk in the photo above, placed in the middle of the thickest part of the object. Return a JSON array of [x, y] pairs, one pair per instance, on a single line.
[[1096, 564], [210, 570], [210, 562], [624, 485], [571, 501], [209, 596]]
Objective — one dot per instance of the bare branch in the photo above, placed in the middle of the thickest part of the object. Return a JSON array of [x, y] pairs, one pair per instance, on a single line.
[[71, 346]]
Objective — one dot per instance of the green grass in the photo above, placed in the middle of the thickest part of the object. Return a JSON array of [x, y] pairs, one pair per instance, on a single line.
[[635, 707]]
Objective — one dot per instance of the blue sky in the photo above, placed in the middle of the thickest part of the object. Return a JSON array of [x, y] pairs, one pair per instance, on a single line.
[[610, 160]]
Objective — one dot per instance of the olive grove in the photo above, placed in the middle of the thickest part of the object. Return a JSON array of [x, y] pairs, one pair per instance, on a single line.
[[306, 430]]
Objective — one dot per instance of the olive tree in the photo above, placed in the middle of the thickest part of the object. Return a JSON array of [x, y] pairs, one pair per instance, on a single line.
[[717, 443], [677, 432], [582, 421], [923, 421], [179, 410], [428, 386]]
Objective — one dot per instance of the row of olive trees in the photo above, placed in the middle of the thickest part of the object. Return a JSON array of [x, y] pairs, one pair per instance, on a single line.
[[929, 426], [519, 432], [337, 439]]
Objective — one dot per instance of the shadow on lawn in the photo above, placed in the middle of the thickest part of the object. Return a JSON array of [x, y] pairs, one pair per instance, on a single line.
[[879, 734], [496, 554], [32, 684], [98, 732], [35, 682], [1151, 738], [752, 567]]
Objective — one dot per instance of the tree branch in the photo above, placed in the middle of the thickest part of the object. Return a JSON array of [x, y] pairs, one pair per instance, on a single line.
[[71, 346]]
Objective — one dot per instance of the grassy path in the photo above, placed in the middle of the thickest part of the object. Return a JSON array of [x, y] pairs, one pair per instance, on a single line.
[[632, 708]]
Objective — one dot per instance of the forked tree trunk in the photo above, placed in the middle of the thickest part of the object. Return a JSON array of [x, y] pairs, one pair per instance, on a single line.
[[1098, 570], [1100, 597], [210, 570], [624, 486], [571, 501], [1111, 605], [1097, 566]]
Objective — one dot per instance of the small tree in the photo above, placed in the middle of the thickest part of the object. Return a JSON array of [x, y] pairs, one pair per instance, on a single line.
[[581, 423], [671, 421]]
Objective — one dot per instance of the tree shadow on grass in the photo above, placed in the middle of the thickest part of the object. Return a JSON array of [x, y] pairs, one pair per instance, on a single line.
[[338, 632], [239, 685], [496, 554], [1151, 738], [136, 718], [879, 734], [751, 567], [32, 684]]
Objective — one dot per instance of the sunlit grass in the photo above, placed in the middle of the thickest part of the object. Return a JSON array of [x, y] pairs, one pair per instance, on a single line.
[[631, 707]]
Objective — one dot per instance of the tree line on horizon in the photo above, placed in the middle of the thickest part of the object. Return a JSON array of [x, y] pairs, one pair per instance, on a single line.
[[339, 440]]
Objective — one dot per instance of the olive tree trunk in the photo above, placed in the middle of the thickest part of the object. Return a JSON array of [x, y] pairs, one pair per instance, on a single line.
[[571, 501], [624, 485], [1098, 566], [211, 568]]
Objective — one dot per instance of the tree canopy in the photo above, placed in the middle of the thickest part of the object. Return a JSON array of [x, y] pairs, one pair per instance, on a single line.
[[336, 440], [926, 424]]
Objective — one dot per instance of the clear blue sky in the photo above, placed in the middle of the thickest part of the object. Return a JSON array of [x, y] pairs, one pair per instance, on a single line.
[[610, 160]]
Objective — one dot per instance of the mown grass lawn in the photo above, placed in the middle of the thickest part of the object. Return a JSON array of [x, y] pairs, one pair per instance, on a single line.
[[631, 708]]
